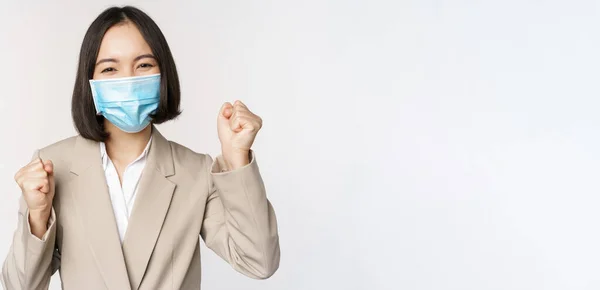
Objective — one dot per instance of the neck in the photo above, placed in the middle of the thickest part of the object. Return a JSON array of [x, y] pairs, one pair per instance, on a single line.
[[125, 147]]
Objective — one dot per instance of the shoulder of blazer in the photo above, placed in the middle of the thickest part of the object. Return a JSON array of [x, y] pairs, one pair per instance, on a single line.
[[58, 148], [61, 154], [189, 160], [61, 150]]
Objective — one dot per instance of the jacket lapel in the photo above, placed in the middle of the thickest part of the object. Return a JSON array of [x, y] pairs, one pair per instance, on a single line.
[[94, 207], [150, 208]]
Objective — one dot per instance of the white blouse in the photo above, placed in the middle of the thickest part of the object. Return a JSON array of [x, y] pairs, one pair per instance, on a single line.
[[122, 196]]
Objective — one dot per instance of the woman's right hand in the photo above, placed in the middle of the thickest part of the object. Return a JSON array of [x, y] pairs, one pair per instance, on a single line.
[[36, 180]]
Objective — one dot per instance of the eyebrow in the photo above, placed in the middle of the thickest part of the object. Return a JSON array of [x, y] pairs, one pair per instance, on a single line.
[[144, 56], [106, 60], [134, 60]]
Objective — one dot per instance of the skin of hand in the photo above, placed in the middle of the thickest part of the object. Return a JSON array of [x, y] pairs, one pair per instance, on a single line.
[[36, 181], [237, 127]]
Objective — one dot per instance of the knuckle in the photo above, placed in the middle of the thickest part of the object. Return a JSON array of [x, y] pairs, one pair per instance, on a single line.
[[22, 178], [40, 171], [35, 167]]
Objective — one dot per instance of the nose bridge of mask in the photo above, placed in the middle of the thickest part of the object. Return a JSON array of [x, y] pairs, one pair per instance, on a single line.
[[125, 89]]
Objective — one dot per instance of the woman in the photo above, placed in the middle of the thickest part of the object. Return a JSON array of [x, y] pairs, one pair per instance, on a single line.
[[119, 206]]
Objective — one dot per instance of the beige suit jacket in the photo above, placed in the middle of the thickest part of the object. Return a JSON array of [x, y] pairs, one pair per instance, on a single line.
[[182, 195]]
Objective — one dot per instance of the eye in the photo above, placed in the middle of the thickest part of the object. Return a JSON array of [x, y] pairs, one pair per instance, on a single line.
[[145, 65], [108, 69]]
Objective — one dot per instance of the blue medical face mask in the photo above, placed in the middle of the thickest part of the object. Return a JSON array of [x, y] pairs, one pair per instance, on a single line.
[[127, 102]]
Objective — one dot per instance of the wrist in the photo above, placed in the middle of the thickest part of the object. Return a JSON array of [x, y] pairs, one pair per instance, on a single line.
[[38, 222], [235, 159], [40, 215]]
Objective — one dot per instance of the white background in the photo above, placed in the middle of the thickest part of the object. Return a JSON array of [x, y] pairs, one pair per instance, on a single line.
[[406, 145]]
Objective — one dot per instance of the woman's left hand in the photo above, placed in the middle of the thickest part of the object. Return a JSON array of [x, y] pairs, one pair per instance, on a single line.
[[237, 128]]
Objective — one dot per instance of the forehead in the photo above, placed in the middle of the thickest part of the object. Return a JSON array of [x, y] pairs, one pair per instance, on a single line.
[[123, 41]]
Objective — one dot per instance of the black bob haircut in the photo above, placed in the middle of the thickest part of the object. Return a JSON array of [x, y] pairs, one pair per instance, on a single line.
[[88, 124]]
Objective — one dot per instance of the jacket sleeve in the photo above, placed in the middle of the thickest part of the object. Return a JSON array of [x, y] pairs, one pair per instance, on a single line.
[[239, 222], [30, 261]]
